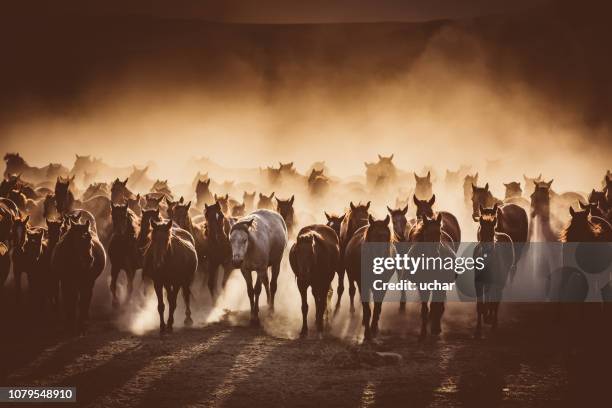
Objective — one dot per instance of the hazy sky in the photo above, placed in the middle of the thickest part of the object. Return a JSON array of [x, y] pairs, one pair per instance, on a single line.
[[285, 11]]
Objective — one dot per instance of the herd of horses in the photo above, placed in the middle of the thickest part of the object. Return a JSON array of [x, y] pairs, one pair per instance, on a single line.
[[62, 237]]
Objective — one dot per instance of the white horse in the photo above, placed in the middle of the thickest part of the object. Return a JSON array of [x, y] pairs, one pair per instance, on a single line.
[[258, 241]]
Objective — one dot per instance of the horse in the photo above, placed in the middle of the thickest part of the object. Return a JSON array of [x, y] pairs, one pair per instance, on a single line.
[[318, 184], [34, 266], [179, 213], [161, 186], [314, 260], [355, 218], [599, 199], [96, 189], [496, 249], [401, 230], [218, 247], [8, 213], [468, 182], [203, 194], [19, 235], [249, 201], [584, 227], [170, 261], [608, 189], [119, 191], [64, 198], [51, 281], [426, 239], [265, 202], [78, 259], [139, 179], [285, 209], [375, 231], [540, 212], [238, 210], [223, 201], [530, 182], [451, 232], [123, 251], [423, 187], [258, 242]]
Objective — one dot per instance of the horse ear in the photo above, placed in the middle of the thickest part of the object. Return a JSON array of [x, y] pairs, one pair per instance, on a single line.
[[342, 217], [292, 199], [249, 223], [583, 206], [370, 219], [405, 210], [540, 176], [506, 185], [352, 206], [416, 178], [428, 175], [439, 217], [327, 216], [432, 200], [571, 211], [387, 219], [72, 178], [368, 205], [261, 196], [550, 182], [87, 224], [188, 205], [391, 157], [181, 200], [473, 187], [125, 181], [495, 208], [487, 187], [26, 219], [272, 195], [389, 210], [380, 157], [205, 206]]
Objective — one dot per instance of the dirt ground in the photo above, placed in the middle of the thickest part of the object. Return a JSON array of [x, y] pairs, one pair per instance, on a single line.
[[533, 360]]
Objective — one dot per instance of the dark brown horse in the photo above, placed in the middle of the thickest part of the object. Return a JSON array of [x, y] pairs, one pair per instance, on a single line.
[[218, 247], [401, 230], [496, 249], [586, 228], [19, 235], [427, 240], [223, 201], [285, 209], [78, 260], [120, 194], [540, 213], [35, 268], [375, 231], [451, 232], [179, 213], [355, 218], [314, 260], [123, 251], [170, 262], [64, 198]]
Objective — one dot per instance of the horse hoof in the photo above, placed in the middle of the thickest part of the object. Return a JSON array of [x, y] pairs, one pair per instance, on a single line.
[[188, 322]]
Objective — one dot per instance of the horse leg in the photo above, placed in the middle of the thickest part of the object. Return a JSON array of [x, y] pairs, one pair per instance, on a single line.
[[130, 273], [320, 304], [273, 282], [262, 277], [186, 297], [436, 311], [227, 272], [352, 290], [480, 309], [172, 295], [84, 302], [159, 291], [257, 292], [376, 317], [69, 299], [113, 285], [213, 270], [340, 289], [424, 319], [367, 313], [304, 295], [402, 305], [248, 278]]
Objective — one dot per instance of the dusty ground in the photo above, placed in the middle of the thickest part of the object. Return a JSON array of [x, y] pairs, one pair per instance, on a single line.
[[533, 361]]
